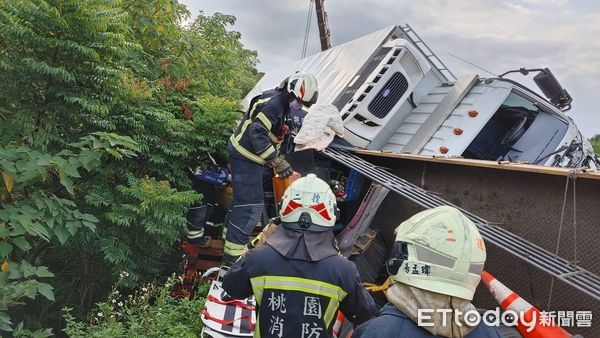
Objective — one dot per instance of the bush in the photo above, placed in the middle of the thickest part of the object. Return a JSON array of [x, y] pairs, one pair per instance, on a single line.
[[36, 209], [595, 140], [113, 70], [148, 312]]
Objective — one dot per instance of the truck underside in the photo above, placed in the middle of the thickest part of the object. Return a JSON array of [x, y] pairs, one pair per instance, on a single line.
[[532, 202]]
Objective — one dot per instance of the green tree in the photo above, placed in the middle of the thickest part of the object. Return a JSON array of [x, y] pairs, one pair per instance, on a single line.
[[33, 213], [595, 140], [71, 68], [60, 75]]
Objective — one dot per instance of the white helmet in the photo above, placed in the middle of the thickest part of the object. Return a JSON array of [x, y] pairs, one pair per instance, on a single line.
[[304, 87], [439, 250], [309, 204]]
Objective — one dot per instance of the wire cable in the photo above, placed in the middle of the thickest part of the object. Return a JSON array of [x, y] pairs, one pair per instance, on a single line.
[[472, 64], [307, 28]]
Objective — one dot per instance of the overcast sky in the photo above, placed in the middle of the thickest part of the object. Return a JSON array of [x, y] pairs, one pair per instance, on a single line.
[[497, 35]]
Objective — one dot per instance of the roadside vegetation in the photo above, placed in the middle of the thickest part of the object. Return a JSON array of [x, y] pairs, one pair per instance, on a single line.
[[595, 140], [103, 107], [150, 311]]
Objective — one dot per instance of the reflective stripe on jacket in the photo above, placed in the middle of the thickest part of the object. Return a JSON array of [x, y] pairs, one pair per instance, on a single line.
[[255, 137], [298, 298]]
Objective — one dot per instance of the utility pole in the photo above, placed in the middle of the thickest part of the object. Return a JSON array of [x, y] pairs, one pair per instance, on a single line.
[[323, 25]]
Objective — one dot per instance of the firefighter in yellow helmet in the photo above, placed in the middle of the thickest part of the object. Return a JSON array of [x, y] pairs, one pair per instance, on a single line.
[[298, 277], [436, 263]]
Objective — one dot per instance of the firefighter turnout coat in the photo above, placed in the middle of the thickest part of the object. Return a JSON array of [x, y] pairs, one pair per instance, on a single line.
[[256, 136], [253, 144], [299, 297]]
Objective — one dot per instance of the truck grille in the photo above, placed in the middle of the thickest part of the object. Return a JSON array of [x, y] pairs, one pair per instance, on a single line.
[[388, 96]]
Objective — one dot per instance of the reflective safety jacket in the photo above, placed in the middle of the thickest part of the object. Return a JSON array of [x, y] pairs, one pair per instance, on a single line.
[[256, 136], [298, 298]]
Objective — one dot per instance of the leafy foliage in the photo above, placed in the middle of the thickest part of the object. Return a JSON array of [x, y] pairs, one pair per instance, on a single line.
[[60, 69], [148, 312], [76, 74], [595, 140], [32, 213], [145, 209]]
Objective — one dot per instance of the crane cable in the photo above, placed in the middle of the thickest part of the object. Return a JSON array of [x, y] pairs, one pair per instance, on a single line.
[[307, 28], [571, 177]]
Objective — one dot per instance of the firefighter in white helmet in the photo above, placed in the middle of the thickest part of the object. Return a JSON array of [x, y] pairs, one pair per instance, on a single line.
[[435, 264], [298, 277], [254, 144]]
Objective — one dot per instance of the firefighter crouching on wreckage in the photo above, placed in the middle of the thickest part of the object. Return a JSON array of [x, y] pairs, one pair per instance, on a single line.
[[253, 145], [436, 263], [298, 277]]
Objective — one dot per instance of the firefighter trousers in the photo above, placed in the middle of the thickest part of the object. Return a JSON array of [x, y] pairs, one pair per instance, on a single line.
[[247, 206]]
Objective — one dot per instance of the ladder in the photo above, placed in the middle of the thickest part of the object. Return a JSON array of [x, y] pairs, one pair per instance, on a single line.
[[558, 267], [433, 59]]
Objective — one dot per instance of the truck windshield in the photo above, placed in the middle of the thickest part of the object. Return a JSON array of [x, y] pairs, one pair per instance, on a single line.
[[518, 131]]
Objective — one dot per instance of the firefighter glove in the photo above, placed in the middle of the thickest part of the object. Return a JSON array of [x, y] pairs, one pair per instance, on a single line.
[[282, 167]]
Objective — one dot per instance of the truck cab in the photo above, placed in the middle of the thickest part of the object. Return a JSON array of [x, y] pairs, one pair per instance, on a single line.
[[394, 94], [525, 128]]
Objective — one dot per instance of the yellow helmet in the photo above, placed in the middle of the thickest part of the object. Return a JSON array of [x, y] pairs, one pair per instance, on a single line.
[[439, 250]]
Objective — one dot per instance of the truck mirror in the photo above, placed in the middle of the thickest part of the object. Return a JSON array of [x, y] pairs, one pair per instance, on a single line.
[[552, 89]]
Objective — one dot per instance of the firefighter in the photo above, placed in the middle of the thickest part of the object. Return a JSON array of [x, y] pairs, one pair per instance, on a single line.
[[253, 145], [435, 266], [298, 277], [202, 216]]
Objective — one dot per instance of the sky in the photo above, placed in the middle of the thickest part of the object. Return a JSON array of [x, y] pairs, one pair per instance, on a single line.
[[498, 35]]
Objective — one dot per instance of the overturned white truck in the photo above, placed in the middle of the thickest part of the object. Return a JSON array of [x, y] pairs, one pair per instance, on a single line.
[[412, 128], [396, 95]]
